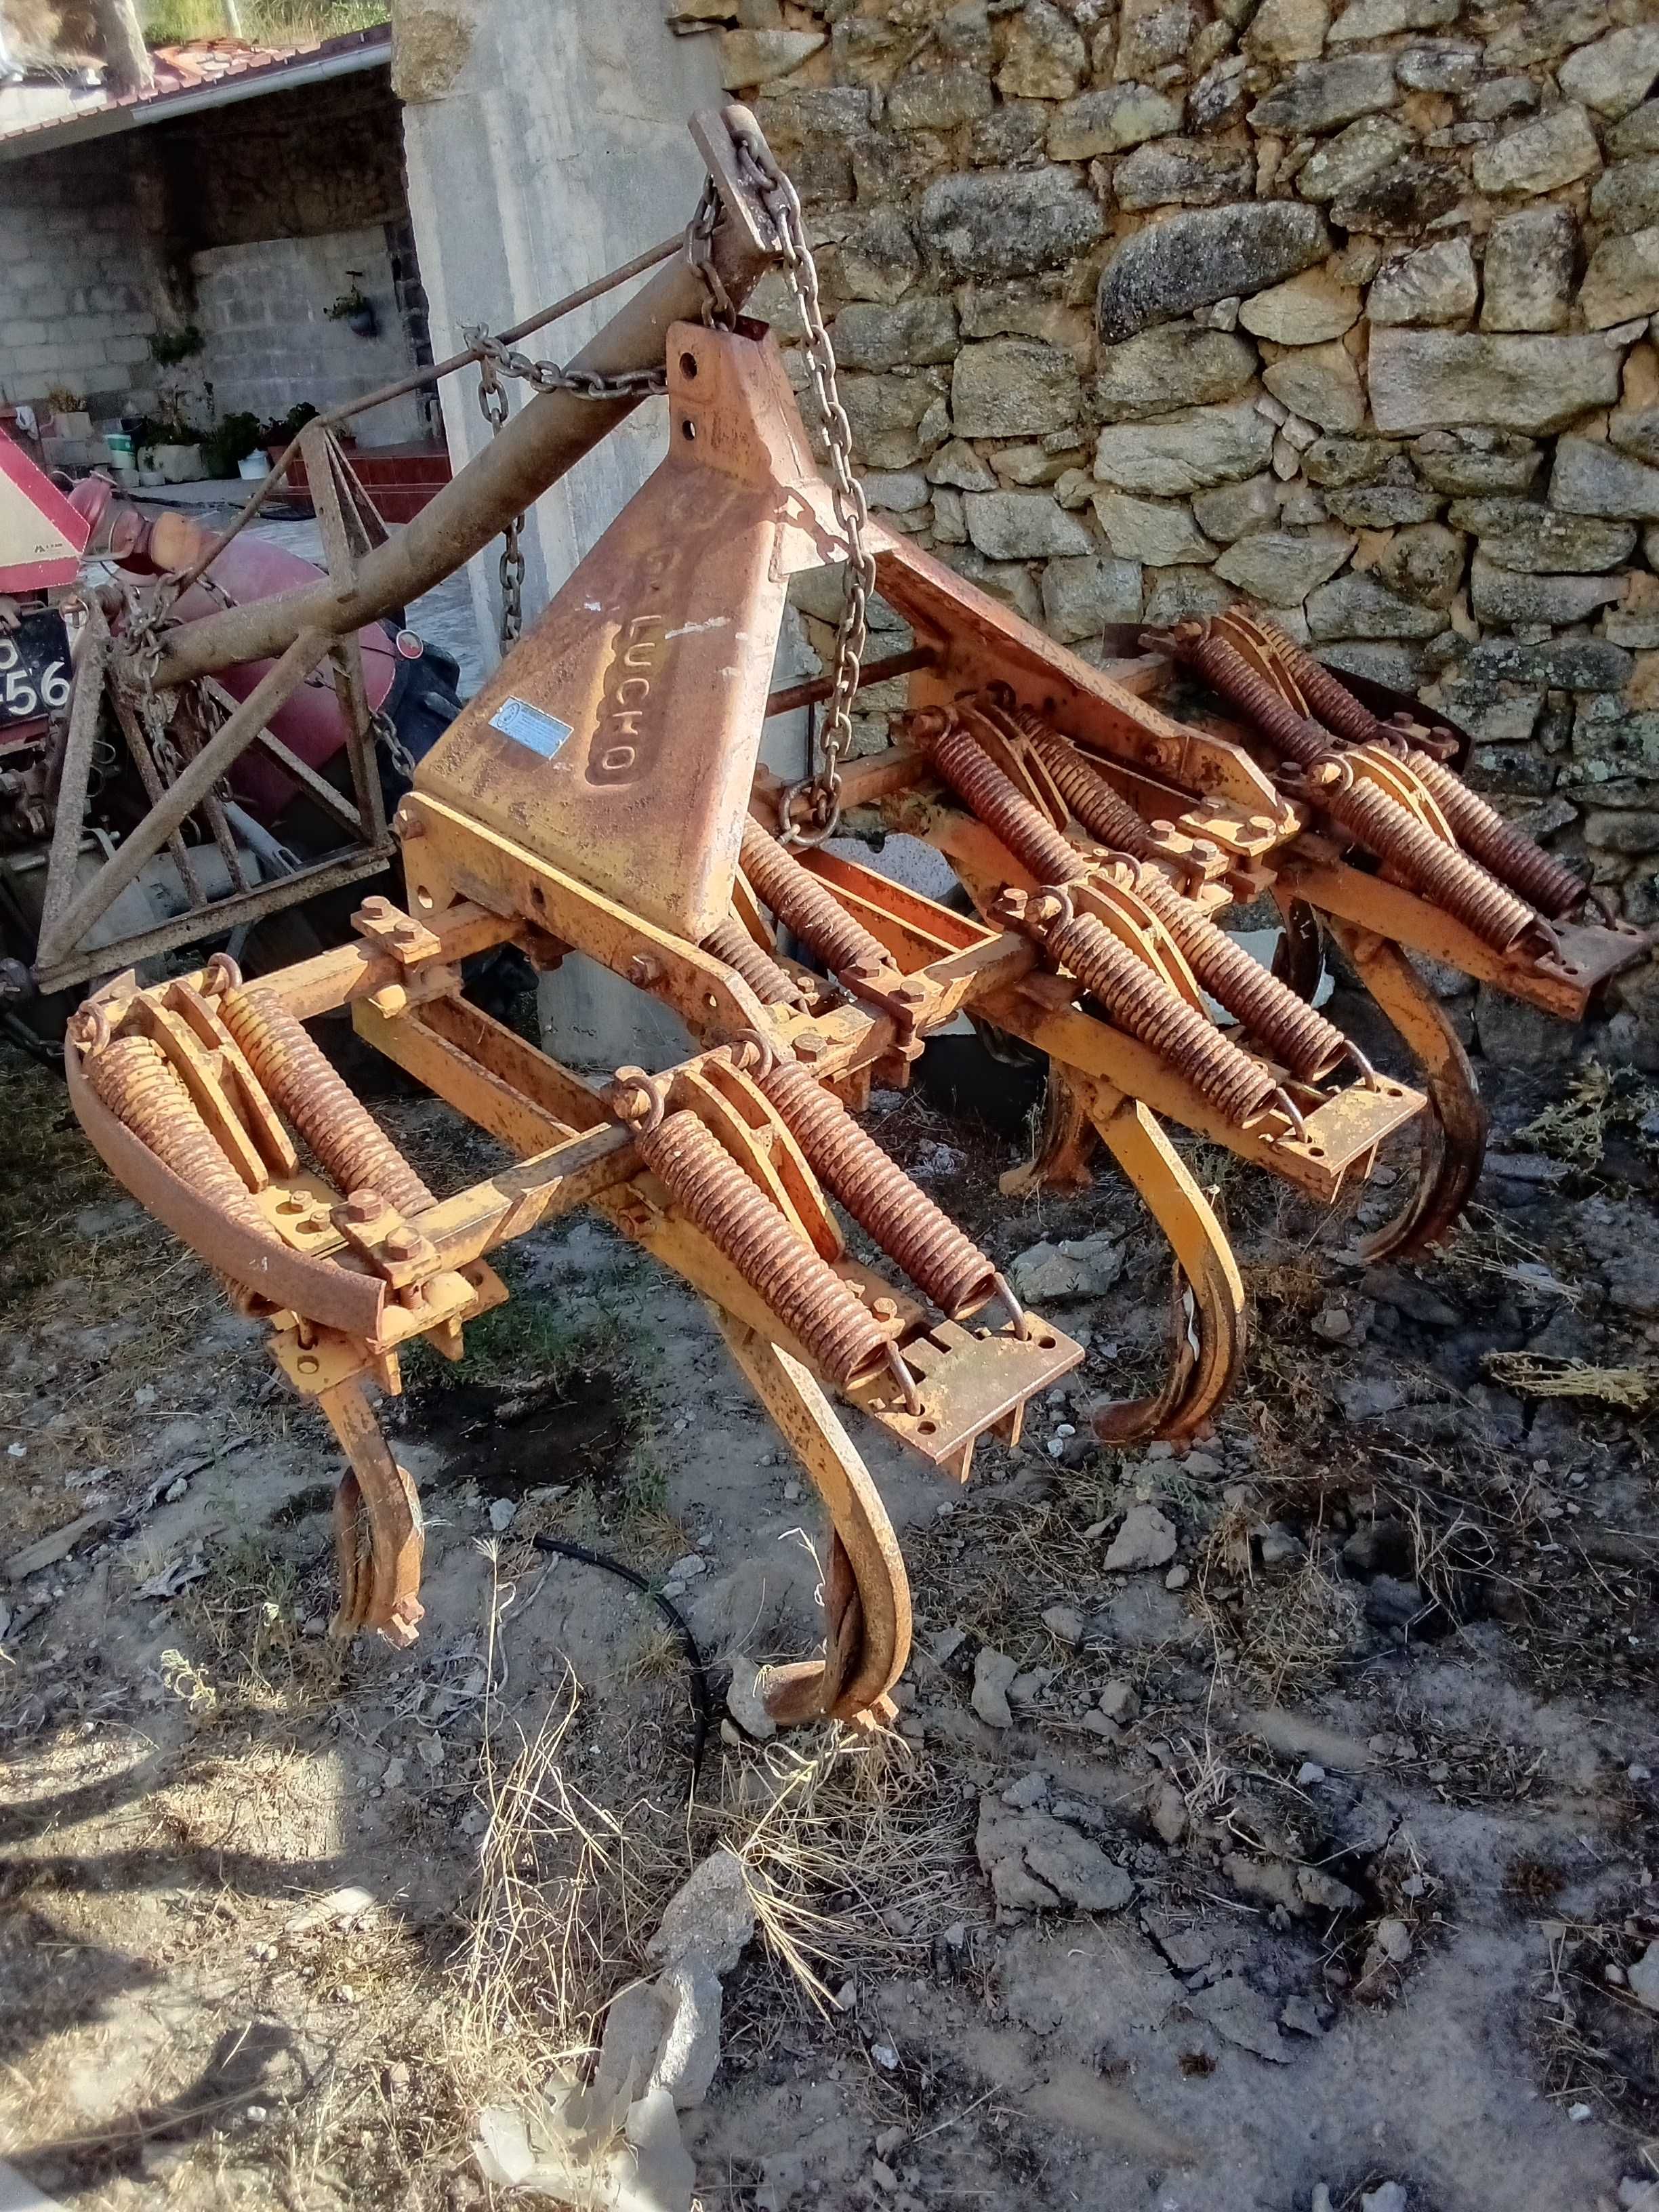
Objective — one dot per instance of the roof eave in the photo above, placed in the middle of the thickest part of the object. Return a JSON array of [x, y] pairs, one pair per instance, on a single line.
[[245, 84]]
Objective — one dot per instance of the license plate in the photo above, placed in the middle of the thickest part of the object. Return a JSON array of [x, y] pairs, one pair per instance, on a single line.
[[34, 668]]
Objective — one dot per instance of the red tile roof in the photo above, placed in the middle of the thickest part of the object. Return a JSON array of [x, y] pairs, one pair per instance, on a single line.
[[196, 65]]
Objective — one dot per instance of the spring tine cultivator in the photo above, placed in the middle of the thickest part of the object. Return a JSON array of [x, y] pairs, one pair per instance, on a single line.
[[602, 793], [1393, 854]]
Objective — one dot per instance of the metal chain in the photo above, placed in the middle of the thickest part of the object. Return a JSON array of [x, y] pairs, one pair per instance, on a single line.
[[492, 404], [384, 730], [823, 790], [497, 361], [548, 376], [718, 310]]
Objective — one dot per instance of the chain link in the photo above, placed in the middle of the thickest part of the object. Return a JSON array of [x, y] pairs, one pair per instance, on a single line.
[[548, 376], [822, 791], [498, 360], [718, 310], [492, 404], [384, 731]]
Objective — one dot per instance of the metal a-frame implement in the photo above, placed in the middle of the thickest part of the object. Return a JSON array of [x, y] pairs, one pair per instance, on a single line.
[[602, 793]]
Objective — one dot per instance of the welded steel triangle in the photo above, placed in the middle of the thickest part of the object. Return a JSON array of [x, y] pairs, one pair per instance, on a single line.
[[618, 738]]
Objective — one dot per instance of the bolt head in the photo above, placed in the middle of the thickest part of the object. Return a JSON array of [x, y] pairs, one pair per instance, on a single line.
[[401, 1244], [644, 970], [1011, 905], [911, 994], [362, 1205], [809, 1046], [408, 825], [885, 1309]]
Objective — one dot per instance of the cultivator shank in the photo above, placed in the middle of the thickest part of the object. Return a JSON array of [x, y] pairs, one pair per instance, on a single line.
[[602, 793]]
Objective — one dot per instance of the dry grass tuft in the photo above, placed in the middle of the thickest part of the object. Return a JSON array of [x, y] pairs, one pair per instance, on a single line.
[[852, 1854], [1575, 1128], [1281, 1633], [1536, 1376], [568, 1890], [1531, 1880]]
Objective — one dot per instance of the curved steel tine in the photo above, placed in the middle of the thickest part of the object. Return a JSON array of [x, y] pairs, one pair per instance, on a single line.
[[1064, 1139], [376, 1501], [1455, 1129], [1298, 957], [867, 1592], [1209, 1325]]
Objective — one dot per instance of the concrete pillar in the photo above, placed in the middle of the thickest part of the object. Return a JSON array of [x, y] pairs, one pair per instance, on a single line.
[[546, 143]]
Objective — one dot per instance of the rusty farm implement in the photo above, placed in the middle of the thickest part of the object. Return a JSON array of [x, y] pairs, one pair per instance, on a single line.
[[602, 793]]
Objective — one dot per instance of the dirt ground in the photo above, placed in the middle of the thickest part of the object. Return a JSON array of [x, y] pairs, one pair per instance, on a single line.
[[1362, 1767]]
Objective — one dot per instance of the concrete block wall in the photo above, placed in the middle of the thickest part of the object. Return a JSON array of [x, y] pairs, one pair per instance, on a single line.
[[263, 311], [75, 310], [264, 206], [1343, 307]]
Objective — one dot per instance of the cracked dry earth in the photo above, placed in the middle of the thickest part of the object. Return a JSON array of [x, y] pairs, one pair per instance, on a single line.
[[1266, 1828]]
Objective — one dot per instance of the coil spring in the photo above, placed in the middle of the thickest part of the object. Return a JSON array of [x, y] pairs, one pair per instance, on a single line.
[[803, 904], [1225, 670], [1329, 698], [1090, 798], [988, 793], [1305, 1042], [1266, 1009], [1513, 857], [137, 1082], [1141, 1002], [877, 1192], [1449, 878], [778, 1264], [1442, 874], [772, 985], [338, 1128], [1510, 853]]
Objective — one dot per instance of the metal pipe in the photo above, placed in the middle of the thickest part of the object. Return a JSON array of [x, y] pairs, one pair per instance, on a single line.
[[217, 541], [541, 443], [817, 688]]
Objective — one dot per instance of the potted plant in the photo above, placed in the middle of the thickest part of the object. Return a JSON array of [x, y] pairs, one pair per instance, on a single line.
[[232, 447], [354, 309], [277, 435], [169, 451], [69, 416]]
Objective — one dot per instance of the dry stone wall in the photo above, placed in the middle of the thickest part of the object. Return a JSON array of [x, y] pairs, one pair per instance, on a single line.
[[1346, 310]]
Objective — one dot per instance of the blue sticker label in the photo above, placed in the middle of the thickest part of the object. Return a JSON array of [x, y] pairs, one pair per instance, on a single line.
[[528, 725]]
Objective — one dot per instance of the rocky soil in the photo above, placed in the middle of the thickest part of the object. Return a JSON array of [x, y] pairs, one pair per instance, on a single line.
[[1268, 1826]]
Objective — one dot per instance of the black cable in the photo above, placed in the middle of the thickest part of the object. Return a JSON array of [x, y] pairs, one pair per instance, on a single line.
[[702, 1705], [31, 1042]]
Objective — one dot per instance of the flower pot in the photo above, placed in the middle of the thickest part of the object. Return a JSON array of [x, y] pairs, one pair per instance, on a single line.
[[177, 464], [363, 322]]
